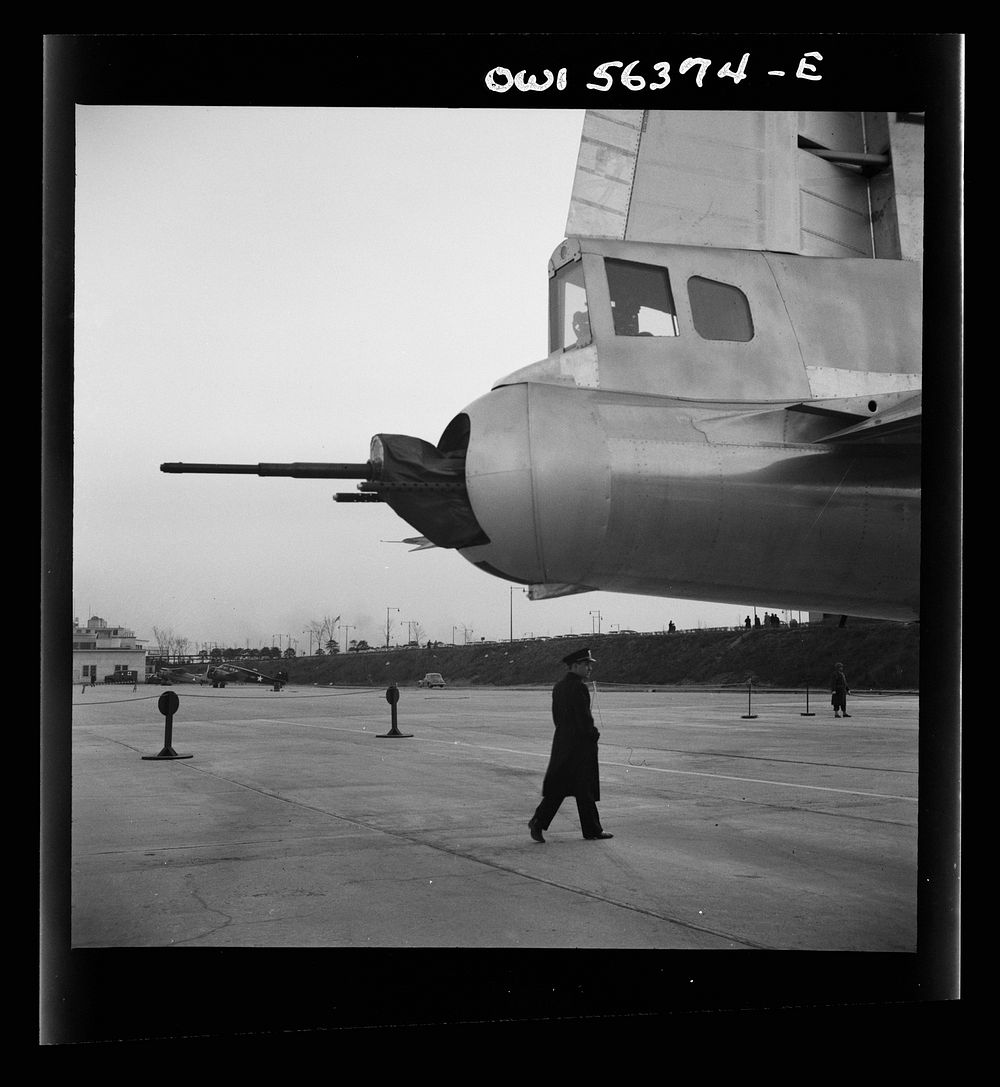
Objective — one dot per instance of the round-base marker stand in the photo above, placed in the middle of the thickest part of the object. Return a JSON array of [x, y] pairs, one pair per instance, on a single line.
[[392, 697], [807, 713], [167, 705], [749, 716]]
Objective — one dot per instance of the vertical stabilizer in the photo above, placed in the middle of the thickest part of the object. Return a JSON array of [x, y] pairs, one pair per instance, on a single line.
[[810, 183], [605, 173]]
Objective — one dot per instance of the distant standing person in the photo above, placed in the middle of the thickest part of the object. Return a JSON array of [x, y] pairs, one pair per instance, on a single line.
[[572, 769], [839, 691]]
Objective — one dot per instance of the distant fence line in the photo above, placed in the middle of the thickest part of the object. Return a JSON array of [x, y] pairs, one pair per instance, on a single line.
[[739, 629], [794, 624]]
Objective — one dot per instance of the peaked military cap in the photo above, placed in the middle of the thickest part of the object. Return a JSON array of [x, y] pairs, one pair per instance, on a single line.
[[578, 656]]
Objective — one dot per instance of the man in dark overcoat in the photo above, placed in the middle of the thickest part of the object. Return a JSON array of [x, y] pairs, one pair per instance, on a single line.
[[572, 769], [839, 691]]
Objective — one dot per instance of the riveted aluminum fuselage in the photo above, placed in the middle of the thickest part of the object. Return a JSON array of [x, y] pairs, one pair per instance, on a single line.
[[584, 477], [644, 495]]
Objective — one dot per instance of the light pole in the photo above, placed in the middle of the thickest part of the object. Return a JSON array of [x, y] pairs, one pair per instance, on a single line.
[[387, 610], [512, 611], [310, 633], [347, 629]]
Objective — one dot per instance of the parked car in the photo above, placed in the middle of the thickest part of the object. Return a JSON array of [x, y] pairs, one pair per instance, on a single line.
[[432, 679], [121, 677]]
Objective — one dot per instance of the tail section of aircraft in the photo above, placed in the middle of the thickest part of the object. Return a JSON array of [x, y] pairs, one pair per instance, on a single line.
[[730, 405], [834, 184]]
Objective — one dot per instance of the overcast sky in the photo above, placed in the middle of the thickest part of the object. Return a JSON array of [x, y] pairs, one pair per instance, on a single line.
[[279, 284]]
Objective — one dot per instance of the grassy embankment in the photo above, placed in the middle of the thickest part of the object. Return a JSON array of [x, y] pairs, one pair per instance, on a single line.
[[876, 656]]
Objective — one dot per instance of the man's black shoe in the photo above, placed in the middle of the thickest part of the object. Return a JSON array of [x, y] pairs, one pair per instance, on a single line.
[[596, 837], [536, 831]]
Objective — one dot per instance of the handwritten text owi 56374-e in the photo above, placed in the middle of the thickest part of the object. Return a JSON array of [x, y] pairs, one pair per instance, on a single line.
[[639, 76]]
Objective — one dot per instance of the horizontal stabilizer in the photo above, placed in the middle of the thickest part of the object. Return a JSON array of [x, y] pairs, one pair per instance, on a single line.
[[421, 542], [552, 589], [896, 417]]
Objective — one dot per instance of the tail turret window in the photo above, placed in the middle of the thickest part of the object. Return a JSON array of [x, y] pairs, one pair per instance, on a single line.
[[569, 316], [641, 300], [720, 311]]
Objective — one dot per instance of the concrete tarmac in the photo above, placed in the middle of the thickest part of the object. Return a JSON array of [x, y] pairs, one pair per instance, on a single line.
[[397, 874], [294, 823]]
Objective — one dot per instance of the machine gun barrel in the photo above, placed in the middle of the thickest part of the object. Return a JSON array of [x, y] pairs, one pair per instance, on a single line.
[[298, 469]]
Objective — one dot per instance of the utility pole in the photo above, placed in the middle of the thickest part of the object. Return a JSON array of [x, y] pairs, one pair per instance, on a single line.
[[387, 610], [598, 614], [512, 611]]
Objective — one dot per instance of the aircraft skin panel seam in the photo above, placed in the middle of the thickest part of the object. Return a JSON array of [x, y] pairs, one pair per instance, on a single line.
[[824, 198], [536, 523], [607, 208], [716, 215], [624, 152], [736, 184], [834, 491], [827, 382], [868, 191], [604, 177], [905, 379], [711, 549], [635, 166], [616, 118], [866, 522], [834, 241], [788, 316], [729, 142]]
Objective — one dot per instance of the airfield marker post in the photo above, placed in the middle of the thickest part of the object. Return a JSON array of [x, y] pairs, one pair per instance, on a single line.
[[167, 705], [749, 716], [807, 713], [392, 697]]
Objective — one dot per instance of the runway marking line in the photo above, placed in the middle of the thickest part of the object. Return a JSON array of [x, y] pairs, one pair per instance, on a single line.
[[496, 865], [508, 869], [633, 766]]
